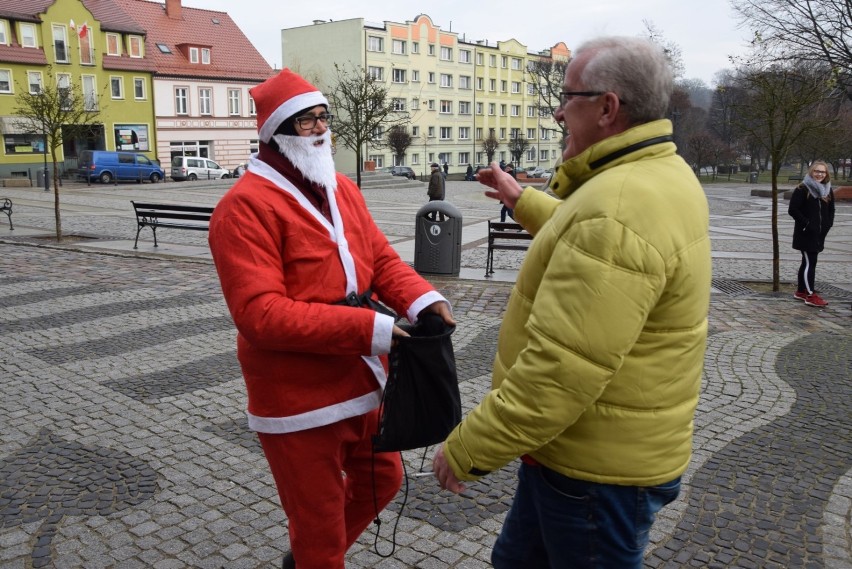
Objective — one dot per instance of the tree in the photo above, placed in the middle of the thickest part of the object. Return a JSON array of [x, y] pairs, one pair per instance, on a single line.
[[547, 76], [398, 140], [57, 113], [362, 111], [517, 147], [671, 49], [489, 145], [806, 31], [783, 102]]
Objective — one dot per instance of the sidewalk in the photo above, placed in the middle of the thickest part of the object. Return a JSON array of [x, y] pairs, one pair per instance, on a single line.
[[122, 429]]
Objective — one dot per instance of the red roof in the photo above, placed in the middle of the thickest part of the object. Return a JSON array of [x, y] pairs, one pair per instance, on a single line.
[[18, 54], [232, 55], [108, 13]]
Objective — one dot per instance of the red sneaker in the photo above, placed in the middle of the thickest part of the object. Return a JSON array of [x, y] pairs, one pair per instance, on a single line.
[[800, 295], [815, 300]]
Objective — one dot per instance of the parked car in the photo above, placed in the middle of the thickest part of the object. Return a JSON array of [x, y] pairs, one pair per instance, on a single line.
[[195, 168], [403, 171], [109, 165], [536, 172]]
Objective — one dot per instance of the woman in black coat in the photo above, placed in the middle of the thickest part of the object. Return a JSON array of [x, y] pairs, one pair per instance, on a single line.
[[812, 207]]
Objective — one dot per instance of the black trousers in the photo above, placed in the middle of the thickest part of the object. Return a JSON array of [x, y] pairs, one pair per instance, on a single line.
[[807, 271]]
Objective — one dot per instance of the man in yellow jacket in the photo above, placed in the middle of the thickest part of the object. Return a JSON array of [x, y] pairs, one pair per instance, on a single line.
[[600, 354]]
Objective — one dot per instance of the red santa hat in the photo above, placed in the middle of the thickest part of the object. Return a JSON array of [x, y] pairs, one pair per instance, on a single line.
[[279, 98]]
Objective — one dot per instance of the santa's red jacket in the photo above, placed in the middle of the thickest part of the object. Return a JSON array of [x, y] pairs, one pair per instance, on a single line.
[[306, 361]]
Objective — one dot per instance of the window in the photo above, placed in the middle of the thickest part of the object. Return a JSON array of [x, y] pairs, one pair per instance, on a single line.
[[205, 100], [139, 88], [376, 73], [464, 158], [492, 108], [252, 107], [446, 132], [531, 111], [446, 80], [90, 93], [464, 56], [544, 155], [480, 108], [5, 81], [502, 134], [480, 83], [378, 133], [398, 47], [492, 84], [503, 110], [480, 59], [531, 133], [431, 132], [478, 134], [504, 86], [515, 133], [530, 88], [193, 55], [113, 44], [464, 82], [444, 158], [163, 48], [492, 60], [446, 53], [531, 154], [464, 133], [504, 61], [205, 56], [398, 75], [464, 107], [446, 107], [60, 43], [415, 76], [379, 159], [181, 107], [415, 47], [87, 56], [516, 110], [431, 105], [375, 43], [135, 46], [63, 85], [34, 82], [431, 49], [4, 35], [431, 77], [516, 86], [415, 159], [116, 87], [398, 104], [24, 143], [28, 35], [234, 107], [516, 63]]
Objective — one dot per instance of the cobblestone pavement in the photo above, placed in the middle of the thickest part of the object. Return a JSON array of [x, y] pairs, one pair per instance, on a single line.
[[123, 440]]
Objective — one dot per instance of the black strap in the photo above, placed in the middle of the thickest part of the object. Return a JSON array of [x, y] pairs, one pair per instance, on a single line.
[[365, 299], [628, 149]]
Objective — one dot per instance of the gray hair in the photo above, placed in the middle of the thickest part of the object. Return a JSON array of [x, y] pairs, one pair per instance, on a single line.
[[635, 69]]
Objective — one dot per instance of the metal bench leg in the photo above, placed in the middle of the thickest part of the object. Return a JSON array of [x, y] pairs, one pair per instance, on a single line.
[[9, 215], [136, 243]]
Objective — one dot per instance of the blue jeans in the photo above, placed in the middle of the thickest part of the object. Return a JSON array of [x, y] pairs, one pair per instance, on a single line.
[[559, 522]]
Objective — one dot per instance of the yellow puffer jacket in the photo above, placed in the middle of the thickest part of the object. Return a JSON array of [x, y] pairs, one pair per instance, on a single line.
[[600, 354]]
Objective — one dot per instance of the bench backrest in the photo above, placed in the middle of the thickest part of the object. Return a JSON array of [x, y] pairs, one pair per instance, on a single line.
[[173, 211]]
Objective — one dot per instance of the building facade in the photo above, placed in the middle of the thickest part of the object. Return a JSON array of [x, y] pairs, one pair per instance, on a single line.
[[453, 92], [86, 43], [204, 67]]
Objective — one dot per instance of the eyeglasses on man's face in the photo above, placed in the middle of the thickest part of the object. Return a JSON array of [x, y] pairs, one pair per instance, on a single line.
[[310, 121], [566, 96]]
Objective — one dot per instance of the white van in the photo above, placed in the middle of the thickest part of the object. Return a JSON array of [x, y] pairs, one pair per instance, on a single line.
[[194, 168]]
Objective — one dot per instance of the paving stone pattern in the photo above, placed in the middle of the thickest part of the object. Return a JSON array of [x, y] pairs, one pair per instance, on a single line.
[[123, 439]]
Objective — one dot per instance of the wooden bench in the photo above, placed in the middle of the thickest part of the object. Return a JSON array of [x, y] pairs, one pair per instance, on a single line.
[[6, 207], [154, 215], [794, 178], [507, 237]]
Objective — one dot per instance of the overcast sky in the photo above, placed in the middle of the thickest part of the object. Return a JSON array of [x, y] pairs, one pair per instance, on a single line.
[[706, 31]]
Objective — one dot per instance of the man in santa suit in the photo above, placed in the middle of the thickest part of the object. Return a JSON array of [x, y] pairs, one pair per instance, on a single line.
[[298, 257]]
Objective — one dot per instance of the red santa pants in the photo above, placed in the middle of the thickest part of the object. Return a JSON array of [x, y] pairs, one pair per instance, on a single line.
[[324, 478]]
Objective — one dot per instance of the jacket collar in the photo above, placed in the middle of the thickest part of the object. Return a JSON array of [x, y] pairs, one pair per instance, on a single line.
[[648, 140]]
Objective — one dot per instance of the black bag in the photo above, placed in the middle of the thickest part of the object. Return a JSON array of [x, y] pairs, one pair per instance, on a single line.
[[421, 403]]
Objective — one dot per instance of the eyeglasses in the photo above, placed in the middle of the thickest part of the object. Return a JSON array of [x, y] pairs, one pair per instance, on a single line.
[[310, 121], [823, 172], [566, 96]]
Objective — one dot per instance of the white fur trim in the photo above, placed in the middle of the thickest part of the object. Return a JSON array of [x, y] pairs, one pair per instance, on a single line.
[[287, 109]]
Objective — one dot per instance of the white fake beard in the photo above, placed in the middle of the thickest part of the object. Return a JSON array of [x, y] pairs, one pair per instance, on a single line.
[[311, 155]]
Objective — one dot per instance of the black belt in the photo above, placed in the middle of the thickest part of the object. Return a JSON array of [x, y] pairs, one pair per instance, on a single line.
[[365, 299]]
